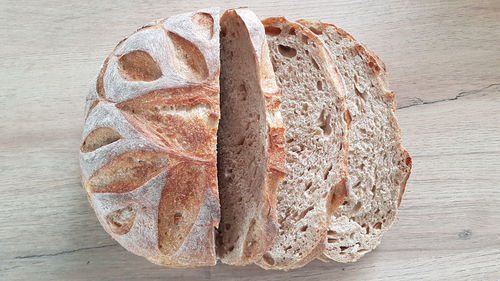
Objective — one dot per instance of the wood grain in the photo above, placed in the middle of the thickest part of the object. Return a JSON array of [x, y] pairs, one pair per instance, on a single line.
[[444, 59]]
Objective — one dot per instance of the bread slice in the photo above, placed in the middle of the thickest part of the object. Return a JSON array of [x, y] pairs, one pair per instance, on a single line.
[[379, 166], [148, 153], [315, 119], [250, 145]]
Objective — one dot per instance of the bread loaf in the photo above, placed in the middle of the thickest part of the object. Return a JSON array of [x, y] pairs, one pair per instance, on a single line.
[[250, 140], [315, 120], [307, 157], [148, 153], [379, 166]]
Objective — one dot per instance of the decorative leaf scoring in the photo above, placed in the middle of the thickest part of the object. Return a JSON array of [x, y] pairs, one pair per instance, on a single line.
[[180, 203], [188, 60], [99, 137], [127, 172], [121, 221], [180, 121], [138, 66], [205, 22]]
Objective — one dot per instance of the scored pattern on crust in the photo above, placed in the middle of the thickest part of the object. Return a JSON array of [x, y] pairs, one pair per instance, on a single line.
[[148, 152]]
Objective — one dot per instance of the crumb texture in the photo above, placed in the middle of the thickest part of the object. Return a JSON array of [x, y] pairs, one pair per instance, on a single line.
[[378, 165], [312, 109], [250, 146]]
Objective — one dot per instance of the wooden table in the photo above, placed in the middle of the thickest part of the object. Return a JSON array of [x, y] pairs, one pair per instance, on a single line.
[[444, 60]]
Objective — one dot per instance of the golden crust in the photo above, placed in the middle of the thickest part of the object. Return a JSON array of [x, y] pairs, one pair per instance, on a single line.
[[174, 129], [156, 112]]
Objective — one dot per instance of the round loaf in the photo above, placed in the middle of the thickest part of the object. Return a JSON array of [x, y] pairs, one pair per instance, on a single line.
[[148, 152]]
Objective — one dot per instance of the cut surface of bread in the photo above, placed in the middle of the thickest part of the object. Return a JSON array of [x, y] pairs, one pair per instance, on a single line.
[[378, 164], [315, 120], [148, 153], [250, 141]]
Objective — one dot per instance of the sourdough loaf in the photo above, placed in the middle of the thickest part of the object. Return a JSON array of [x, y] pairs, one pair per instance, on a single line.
[[148, 153], [315, 120], [379, 166], [250, 140]]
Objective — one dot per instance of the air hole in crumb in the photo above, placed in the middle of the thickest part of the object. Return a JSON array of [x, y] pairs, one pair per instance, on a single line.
[[308, 185], [315, 64], [378, 225], [240, 199], [319, 85], [291, 31], [325, 176], [273, 31], [231, 249], [268, 259], [374, 188], [359, 94], [305, 107], [275, 67], [332, 240], [304, 228], [342, 248], [241, 141], [297, 148], [324, 121], [305, 40], [331, 232], [288, 248], [357, 207], [287, 51], [315, 30], [304, 213]]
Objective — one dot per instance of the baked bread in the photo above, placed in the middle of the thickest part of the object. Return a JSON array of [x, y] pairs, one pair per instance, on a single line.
[[148, 153], [250, 145], [299, 112], [315, 120], [379, 166]]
